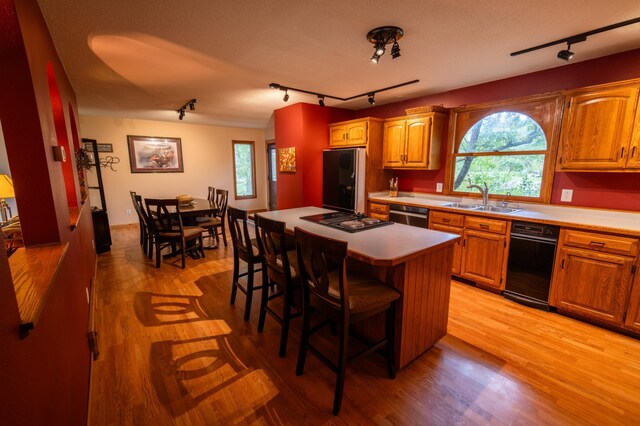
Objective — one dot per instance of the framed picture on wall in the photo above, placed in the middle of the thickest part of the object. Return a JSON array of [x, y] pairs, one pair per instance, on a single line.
[[151, 154], [287, 160]]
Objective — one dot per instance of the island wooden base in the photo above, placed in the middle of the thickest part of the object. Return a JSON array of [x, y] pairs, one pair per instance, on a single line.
[[423, 309]]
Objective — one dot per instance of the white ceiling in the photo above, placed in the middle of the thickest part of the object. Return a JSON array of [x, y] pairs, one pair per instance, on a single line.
[[146, 58]]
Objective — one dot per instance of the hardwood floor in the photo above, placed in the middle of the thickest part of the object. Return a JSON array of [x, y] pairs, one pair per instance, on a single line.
[[173, 351]]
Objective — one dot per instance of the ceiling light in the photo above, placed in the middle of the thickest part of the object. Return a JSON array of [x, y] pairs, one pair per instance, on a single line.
[[183, 109], [382, 36], [566, 54], [395, 50], [322, 96]]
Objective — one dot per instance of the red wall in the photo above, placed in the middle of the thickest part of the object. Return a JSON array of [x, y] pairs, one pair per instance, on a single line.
[[305, 127], [605, 190], [44, 378]]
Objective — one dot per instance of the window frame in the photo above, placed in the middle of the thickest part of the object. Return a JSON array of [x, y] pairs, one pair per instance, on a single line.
[[252, 144], [546, 110]]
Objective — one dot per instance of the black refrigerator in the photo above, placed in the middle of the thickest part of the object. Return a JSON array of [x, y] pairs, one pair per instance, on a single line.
[[343, 174]]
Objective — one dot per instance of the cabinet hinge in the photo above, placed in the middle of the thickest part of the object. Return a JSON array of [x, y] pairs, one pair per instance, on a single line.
[[633, 269]]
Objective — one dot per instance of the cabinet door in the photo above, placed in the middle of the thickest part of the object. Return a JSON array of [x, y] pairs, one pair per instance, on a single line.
[[482, 257], [632, 321], [356, 133], [592, 284], [337, 136], [597, 129], [393, 143], [418, 142], [633, 160], [457, 248]]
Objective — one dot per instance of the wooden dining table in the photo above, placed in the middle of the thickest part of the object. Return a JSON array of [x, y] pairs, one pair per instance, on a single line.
[[198, 207]]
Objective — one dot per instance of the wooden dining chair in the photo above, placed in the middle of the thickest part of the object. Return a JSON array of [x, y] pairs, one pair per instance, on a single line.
[[143, 231], [145, 227], [216, 224], [243, 249], [341, 298], [279, 267], [168, 230]]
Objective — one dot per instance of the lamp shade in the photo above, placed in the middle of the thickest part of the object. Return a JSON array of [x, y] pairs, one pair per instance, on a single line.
[[6, 187]]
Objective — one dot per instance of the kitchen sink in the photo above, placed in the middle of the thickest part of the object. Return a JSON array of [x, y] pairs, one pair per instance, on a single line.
[[462, 206], [497, 209], [478, 207]]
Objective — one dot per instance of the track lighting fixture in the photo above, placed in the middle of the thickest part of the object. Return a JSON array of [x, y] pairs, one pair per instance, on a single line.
[[382, 36], [183, 109], [567, 54], [321, 96]]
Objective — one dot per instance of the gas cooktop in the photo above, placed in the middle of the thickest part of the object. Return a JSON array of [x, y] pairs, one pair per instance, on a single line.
[[346, 221]]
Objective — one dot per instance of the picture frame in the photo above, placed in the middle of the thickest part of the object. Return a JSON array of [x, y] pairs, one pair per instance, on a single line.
[[155, 154], [102, 147], [287, 160]]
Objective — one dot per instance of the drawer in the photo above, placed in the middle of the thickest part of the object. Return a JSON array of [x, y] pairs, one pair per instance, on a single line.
[[601, 242], [484, 224], [379, 216], [378, 208], [449, 219]]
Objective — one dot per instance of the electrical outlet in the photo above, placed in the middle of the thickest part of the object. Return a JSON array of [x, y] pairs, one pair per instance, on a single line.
[[128, 211], [567, 195], [439, 187]]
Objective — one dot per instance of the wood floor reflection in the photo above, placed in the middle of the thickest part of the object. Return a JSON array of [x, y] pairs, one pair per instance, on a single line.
[[173, 351]]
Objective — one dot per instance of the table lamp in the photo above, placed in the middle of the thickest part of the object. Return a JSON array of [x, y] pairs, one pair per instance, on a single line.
[[6, 191]]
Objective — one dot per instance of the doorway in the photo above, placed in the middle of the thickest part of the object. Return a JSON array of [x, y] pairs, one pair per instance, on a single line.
[[271, 174]]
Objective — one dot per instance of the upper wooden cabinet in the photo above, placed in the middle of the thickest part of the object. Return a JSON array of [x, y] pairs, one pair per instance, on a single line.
[[413, 142], [600, 129], [349, 133]]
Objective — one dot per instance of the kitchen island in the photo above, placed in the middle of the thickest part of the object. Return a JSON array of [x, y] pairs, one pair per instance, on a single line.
[[415, 261]]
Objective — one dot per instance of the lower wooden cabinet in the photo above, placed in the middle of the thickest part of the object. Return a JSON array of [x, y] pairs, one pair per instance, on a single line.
[[483, 257], [592, 284], [481, 253], [632, 321], [378, 210], [593, 275], [456, 268]]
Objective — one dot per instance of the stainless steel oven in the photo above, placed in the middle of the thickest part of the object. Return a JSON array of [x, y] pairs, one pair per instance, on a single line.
[[530, 265], [409, 215]]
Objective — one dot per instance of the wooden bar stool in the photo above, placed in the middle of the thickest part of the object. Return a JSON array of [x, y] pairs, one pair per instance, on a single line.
[[279, 267], [342, 299], [243, 249]]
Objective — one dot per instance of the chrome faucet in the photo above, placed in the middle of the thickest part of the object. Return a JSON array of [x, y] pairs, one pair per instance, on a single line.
[[483, 191], [504, 200]]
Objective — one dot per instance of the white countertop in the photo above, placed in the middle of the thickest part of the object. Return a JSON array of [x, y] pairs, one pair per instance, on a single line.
[[385, 245], [615, 220]]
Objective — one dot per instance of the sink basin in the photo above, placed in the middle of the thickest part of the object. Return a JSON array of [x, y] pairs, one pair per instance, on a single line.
[[497, 209], [478, 207], [462, 206]]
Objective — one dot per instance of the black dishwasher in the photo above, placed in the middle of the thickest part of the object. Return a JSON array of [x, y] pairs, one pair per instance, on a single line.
[[530, 265]]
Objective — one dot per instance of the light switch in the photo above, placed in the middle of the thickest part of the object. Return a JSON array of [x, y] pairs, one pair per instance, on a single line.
[[439, 187], [567, 195]]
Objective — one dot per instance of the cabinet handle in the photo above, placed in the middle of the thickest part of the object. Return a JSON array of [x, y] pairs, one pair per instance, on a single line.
[[597, 243], [347, 136], [622, 152], [633, 152], [484, 226], [464, 242], [562, 266]]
